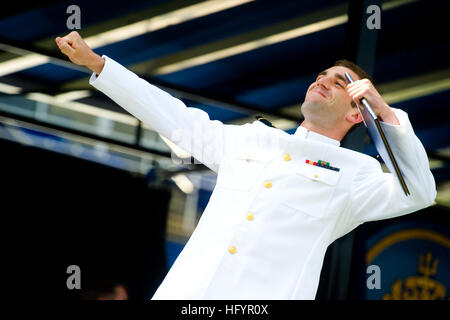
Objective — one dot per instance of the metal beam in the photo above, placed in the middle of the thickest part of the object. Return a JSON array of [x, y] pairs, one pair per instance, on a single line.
[[182, 93], [23, 49], [190, 165], [83, 134]]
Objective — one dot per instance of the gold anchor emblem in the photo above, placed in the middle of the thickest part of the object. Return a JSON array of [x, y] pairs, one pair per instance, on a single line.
[[420, 287]]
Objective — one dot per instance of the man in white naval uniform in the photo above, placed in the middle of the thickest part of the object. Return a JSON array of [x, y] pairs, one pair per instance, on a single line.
[[274, 210]]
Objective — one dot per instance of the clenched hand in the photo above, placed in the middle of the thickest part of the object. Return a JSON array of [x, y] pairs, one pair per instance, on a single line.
[[365, 89], [74, 47]]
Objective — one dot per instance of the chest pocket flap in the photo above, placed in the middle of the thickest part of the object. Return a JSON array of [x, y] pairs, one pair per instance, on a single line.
[[315, 186], [319, 174], [240, 170]]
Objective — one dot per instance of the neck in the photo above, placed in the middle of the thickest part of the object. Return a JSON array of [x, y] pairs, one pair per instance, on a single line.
[[333, 133]]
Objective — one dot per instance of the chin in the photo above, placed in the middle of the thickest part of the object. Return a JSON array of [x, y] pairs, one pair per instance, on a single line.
[[312, 106]]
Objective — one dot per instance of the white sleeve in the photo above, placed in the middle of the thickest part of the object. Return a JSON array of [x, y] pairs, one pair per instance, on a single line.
[[189, 128], [377, 195]]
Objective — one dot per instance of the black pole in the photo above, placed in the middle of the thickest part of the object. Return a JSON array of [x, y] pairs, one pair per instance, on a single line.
[[335, 279]]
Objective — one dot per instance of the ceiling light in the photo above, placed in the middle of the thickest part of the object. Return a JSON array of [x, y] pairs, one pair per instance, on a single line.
[[417, 91], [180, 153], [73, 95], [265, 41], [83, 108], [129, 31], [9, 89], [183, 183], [162, 21], [252, 45], [22, 63]]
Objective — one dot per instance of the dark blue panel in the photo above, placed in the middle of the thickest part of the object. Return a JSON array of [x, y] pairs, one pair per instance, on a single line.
[[427, 111], [50, 20], [216, 113], [441, 174], [173, 249], [435, 137], [200, 31], [432, 138], [52, 73], [277, 71], [210, 28], [412, 40], [276, 95]]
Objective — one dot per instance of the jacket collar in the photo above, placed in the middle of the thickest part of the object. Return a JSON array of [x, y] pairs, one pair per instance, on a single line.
[[304, 133]]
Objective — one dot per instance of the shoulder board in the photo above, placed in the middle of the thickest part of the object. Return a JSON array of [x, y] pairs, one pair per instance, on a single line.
[[265, 121]]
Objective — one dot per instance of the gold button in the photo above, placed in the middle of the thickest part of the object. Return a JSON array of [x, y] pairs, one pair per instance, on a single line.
[[315, 175], [232, 249], [287, 157], [250, 217], [268, 184]]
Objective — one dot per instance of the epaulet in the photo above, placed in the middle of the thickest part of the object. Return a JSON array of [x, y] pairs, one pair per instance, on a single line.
[[265, 121]]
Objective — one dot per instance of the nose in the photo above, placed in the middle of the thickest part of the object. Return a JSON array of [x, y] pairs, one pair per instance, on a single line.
[[323, 82]]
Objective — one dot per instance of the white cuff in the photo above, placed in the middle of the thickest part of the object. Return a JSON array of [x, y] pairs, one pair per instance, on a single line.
[[94, 76]]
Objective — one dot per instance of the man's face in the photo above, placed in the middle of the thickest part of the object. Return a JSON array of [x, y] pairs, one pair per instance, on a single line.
[[327, 101]]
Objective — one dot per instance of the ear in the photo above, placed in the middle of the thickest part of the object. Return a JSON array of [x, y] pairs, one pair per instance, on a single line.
[[354, 116]]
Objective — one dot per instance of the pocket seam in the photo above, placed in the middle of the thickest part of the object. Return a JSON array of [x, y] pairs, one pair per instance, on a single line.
[[329, 178]]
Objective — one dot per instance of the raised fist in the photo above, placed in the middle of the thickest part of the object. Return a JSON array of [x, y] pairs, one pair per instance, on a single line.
[[74, 47]]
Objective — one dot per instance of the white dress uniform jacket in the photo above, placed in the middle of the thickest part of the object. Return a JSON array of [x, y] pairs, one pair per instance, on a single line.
[[271, 216]]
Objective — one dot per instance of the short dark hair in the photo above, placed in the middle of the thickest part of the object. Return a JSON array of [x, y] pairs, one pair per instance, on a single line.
[[354, 67]]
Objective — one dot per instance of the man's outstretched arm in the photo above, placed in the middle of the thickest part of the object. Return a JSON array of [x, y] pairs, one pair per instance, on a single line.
[[189, 128]]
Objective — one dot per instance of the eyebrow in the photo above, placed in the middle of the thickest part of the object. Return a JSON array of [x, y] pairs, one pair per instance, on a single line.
[[336, 75]]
